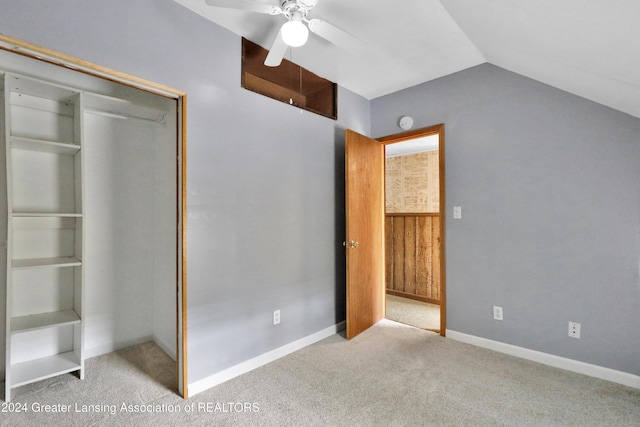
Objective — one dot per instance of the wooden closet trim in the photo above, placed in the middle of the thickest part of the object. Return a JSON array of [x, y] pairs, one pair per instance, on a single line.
[[40, 53], [33, 51]]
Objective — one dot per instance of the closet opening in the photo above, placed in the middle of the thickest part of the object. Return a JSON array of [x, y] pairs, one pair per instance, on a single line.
[[92, 209]]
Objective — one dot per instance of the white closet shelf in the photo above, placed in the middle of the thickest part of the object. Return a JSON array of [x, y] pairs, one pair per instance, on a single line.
[[45, 262], [46, 367], [44, 320], [39, 88], [44, 146], [46, 215]]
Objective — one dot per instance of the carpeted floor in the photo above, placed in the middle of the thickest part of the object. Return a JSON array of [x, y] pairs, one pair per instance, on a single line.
[[414, 313], [390, 375]]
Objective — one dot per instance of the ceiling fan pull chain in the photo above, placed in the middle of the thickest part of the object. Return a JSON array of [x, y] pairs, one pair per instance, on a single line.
[[305, 101], [291, 75]]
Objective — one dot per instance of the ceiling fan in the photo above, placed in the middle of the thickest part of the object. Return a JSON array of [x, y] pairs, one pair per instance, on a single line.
[[294, 32]]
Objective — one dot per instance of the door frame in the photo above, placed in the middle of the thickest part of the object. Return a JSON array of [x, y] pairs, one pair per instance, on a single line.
[[39, 53], [418, 133]]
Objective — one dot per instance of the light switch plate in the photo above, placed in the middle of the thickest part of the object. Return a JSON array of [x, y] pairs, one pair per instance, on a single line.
[[457, 212]]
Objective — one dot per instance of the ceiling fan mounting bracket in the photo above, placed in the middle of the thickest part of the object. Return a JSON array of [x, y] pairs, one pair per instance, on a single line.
[[292, 7]]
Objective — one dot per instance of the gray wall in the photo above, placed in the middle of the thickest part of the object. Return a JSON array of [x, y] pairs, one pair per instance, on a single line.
[[550, 230], [265, 182]]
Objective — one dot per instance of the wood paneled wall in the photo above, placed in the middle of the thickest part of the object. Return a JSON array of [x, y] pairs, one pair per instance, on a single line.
[[413, 255]]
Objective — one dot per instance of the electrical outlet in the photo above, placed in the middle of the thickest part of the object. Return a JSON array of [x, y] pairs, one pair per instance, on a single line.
[[276, 317], [497, 312], [574, 330]]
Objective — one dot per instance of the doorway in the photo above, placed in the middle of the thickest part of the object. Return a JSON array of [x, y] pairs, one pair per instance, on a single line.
[[417, 224], [365, 229], [412, 232]]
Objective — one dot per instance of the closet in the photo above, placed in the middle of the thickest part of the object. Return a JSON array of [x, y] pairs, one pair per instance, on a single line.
[[90, 218]]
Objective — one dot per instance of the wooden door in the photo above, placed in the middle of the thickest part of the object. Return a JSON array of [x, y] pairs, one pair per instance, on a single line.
[[364, 159]]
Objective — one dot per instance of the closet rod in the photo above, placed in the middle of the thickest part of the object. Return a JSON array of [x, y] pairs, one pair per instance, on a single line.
[[160, 119]]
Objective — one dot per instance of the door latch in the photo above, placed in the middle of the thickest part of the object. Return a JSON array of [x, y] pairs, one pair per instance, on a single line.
[[350, 244]]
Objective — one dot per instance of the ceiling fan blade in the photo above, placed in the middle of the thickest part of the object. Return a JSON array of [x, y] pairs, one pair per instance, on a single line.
[[336, 36], [277, 52], [248, 5]]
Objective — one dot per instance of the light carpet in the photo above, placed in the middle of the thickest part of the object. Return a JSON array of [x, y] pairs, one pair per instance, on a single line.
[[390, 375], [411, 312]]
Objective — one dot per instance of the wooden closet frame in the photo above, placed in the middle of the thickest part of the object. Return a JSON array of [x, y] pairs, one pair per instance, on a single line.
[[40, 53]]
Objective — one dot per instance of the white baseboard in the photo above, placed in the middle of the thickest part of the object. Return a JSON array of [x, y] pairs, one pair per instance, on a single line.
[[263, 359], [596, 371]]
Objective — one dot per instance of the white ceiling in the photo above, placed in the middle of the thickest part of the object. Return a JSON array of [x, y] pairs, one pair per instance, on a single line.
[[590, 48], [413, 146]]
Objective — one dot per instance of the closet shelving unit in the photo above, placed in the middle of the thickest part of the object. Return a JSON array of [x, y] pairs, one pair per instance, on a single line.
[[42, 133]]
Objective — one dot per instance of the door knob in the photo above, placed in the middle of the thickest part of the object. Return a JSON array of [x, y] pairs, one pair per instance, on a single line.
[[350, 244]]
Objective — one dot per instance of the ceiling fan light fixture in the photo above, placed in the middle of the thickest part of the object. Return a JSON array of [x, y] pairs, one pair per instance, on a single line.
[[294, 33]]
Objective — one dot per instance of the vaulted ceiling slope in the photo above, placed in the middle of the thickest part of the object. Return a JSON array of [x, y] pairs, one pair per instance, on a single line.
[[590, 48]]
